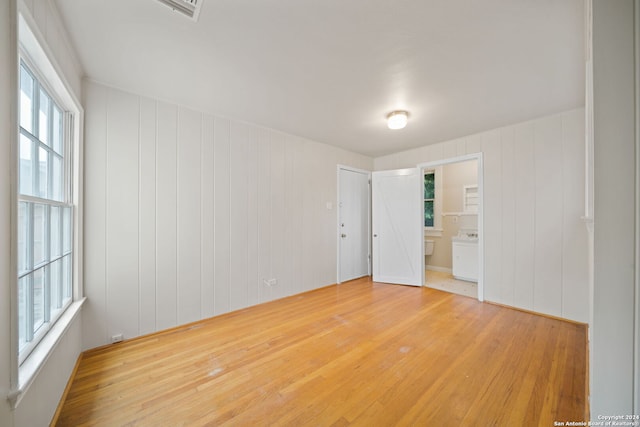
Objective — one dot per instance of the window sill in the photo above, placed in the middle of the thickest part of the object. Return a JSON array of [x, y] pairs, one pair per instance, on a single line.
[[460, 213], [29, 369], [433, 232]]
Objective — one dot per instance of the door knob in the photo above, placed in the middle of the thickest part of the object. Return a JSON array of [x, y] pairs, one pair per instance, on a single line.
[[375, 235], [343, 235]]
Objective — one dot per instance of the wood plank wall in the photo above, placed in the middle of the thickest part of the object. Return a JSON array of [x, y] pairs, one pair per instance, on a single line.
[[535, 239], [187, 213]]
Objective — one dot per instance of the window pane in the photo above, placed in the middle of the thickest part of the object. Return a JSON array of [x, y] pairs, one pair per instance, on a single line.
[[428, 213], [38, 299], [43, 117], [44, 231], [66, 230], [429, 186], [57, 130], [57, 186], [22, 311], [26, 166], [26, 100], [23, 237], [39, 234], [43, 173], [66, 278], [56, 285], [55, 227]]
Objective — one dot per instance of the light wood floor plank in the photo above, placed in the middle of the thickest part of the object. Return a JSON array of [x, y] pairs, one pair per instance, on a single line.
[[359, 353]]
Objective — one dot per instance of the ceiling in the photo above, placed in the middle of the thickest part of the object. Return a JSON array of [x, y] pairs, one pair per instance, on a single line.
[[331, 70]]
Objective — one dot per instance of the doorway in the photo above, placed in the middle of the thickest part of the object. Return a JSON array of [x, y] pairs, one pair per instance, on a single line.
[[354, 229], [453, 232]]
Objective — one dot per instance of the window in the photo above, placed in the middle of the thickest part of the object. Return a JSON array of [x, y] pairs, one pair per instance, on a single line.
[[429, 198], [44, 211]]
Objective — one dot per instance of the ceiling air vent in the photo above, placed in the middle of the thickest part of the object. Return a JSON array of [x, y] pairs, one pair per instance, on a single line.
[[190, 8]]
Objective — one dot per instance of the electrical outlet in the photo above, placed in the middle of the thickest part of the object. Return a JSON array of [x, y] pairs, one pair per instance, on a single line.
[[116, 338], [270, 282]]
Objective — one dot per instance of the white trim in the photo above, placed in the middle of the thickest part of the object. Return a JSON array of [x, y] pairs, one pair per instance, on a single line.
[[448, 161], [433, 232], [349, 168], [436, 230], [438, 269], [31, 44], [458, 159], [589, 179], [39, 356], [32, 41], [636, 307], [64, 36], [13, 149], [460, 214]]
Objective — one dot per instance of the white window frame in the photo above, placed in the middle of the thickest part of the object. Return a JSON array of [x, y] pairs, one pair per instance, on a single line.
[[436, 230], [34, 51], [49, 318]]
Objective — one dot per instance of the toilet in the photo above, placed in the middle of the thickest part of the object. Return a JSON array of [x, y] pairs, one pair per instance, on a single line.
[[428, 247]]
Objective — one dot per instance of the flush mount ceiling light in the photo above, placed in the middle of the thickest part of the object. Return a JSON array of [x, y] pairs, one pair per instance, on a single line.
[[397, 119]]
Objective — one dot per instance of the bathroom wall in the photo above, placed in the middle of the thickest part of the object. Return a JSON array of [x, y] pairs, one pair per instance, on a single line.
[[535, 241], [454, 177]]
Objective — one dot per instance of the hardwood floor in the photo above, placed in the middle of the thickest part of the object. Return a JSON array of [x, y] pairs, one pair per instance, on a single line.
[[360, 353]]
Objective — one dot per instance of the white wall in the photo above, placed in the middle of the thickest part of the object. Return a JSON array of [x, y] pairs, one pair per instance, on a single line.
[[8, 64], [187, 213], [51, 28], [40, 400], [535, 240], [614, 203]]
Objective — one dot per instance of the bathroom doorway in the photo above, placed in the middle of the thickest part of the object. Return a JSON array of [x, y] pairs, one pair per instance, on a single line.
[[453, 235]]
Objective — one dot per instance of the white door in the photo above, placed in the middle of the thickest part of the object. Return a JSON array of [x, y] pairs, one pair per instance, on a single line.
[[353, 226], [397, 226]]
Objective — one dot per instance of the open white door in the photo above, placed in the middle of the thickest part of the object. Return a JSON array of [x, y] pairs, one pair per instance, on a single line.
[[397, 226], [353, 224]]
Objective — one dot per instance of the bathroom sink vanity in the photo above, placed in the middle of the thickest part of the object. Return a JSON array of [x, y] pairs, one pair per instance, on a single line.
[[465, 256]]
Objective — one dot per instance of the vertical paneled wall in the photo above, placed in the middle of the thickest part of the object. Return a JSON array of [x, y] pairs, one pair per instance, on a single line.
[[535, 242], [187, 214], [50, 27]]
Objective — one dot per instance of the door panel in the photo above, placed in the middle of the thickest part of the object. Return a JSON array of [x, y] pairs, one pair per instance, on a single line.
[[354, 225], [397, 227]]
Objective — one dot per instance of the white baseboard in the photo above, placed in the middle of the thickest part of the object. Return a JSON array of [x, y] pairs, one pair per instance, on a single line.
[[440, 269]]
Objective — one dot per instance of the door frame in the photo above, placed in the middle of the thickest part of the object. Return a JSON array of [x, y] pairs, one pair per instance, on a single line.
[[478, 157], [338, 259]]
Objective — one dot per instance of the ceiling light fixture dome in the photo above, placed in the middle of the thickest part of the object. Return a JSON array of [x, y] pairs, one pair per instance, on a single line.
[[397, 119]]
